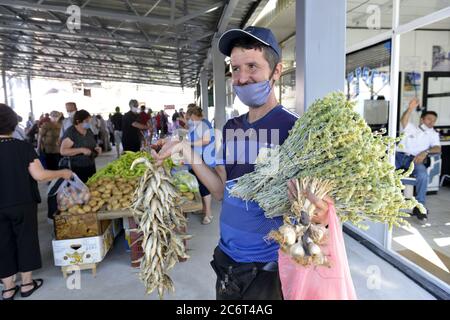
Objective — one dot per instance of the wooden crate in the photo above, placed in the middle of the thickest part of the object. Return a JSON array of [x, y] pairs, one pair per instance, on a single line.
[[74, 226]]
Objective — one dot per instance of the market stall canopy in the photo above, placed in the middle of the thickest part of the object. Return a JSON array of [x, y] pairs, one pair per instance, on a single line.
[[153, 42]]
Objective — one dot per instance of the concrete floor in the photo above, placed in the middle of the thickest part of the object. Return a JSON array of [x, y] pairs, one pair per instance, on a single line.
[[428, 244], [195, 279]]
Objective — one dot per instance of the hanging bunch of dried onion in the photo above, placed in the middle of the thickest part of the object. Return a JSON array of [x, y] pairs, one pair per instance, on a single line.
[[158, 214]]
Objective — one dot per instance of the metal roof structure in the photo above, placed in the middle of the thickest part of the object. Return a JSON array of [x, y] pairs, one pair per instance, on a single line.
[[162, 42]]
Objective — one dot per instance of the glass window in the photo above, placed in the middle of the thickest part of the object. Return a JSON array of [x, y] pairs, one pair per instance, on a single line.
[[288, 54], [413, 9], [425, 74], [368, 82], [366, 19], [288, 90]]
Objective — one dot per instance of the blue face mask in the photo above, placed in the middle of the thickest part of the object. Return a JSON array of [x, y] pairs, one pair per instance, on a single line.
[[86, 126], [190, 123], [254, 95]]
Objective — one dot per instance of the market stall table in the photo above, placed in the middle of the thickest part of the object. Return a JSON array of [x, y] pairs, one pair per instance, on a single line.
[[186, 206]]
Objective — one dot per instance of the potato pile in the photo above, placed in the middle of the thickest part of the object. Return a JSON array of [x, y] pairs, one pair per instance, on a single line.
[[115, 193]]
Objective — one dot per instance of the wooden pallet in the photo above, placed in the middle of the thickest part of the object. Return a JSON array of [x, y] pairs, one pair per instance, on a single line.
[[86, 266]]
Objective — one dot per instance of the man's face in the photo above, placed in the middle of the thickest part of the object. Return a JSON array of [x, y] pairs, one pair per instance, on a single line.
[[70, 108], [429, 120], [250, 66]]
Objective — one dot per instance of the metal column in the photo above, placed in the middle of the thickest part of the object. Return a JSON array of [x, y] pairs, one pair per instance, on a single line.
[[204, 93], [30, 95], [219, 86], [320, 54], [5, 90]]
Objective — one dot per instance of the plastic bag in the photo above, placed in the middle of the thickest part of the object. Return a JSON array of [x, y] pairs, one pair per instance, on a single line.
[[185, 181], [71, 193], [320, 283]]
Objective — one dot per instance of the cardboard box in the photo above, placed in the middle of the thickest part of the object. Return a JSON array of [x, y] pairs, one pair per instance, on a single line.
[[82, 250], [74, 226]]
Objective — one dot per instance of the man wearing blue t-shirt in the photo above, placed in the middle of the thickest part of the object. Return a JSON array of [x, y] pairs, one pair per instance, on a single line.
[[244, 261]]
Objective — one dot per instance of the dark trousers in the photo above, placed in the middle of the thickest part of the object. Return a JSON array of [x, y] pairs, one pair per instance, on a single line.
[[403, 161], [84, 173], [19, 241], [245, 281]]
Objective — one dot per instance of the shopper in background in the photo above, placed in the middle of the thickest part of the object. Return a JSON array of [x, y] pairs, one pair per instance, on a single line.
[[143, 116], [19, 196], [103, 134], [95, 128], [71, 108], [29, 123], [131, 128], [44, 119], [164, 124], [175, 116], [181, 119], [418, 143], [151, 124], [80, 146], [49, 141], [158, 124], [33, 133], [116, 120], [202, 140], [110, 128], [19, 132]]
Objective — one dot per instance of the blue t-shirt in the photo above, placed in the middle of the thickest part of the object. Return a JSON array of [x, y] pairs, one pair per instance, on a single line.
[[207, 152], [243, 226]]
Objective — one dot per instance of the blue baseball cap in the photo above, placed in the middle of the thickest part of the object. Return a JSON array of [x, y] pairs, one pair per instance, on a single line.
[[263, 35]]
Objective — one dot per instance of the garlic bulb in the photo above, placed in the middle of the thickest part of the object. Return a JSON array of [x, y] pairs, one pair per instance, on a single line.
[[299, 230], [317, 232], [297, 250], [288, 233], [314, 249]]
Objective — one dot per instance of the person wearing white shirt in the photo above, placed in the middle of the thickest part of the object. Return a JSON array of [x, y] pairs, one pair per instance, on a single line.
[[418, 142], [71, 108]]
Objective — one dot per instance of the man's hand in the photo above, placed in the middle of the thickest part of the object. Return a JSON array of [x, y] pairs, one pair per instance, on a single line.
[[420, 158], [98, 150], [171, 148], [413, 104], [321, 213]]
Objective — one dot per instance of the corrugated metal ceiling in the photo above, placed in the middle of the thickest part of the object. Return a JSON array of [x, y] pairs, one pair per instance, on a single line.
[[144, 41]]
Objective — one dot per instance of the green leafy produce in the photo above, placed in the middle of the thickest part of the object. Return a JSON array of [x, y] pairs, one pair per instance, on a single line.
[[185, 181], [332, 142], [120, 168]]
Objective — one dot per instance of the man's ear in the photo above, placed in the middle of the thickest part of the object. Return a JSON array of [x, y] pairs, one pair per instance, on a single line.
[[277, 72]]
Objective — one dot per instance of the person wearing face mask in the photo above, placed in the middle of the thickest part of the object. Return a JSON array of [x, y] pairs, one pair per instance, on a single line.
[[202, 139], [417, 144], [71, 108], [245, 263], [80, 146], [131, 128], [49, 141]]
